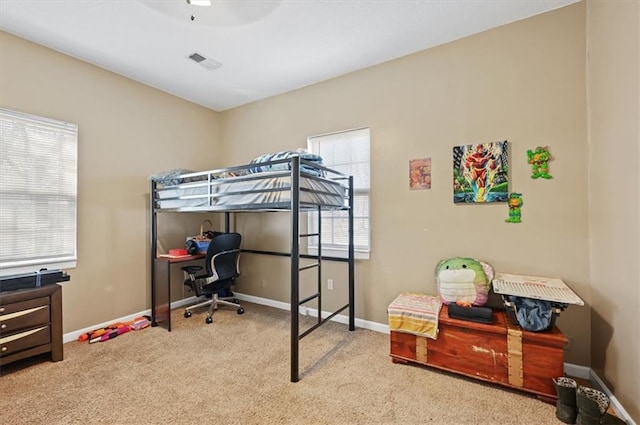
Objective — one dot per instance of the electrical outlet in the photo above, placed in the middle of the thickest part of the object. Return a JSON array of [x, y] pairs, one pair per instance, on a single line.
[[569, 343], [330, 283]]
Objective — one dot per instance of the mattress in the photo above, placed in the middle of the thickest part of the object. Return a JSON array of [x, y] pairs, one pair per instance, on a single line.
[[267, 190]]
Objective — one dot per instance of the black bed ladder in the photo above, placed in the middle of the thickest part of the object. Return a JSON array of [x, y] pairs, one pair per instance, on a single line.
[[318, 264], [295, 301]]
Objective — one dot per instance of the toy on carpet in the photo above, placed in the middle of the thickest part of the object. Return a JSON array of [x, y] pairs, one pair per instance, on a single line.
[[111, 331], [539, 160], [464, 281], [515, 204]]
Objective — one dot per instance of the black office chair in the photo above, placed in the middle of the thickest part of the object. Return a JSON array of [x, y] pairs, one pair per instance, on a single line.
[[222, 264]]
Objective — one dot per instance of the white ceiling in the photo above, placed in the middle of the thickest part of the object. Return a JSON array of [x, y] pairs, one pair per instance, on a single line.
[[266, 47]]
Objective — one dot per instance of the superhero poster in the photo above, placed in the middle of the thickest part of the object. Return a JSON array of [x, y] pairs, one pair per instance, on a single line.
[[480, 173]]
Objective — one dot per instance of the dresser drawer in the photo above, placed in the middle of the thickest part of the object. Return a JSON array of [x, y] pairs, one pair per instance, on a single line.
[[23, 340], [9, 308], [22, 319]]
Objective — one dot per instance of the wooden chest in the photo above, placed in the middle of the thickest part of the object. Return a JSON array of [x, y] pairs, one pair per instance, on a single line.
[[501, 353]]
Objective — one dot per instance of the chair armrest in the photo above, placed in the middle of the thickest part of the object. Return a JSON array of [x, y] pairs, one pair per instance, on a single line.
[[191, 269]]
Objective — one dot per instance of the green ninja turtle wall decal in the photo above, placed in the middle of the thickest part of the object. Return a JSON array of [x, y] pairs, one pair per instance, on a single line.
[[539, 160], [515, 203]]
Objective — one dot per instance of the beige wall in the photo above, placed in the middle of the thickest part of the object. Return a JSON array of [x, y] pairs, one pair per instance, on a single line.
[[613, 44], [127, 131], [524, 83]]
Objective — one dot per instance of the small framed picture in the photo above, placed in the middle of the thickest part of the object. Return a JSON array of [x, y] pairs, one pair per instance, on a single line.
[[420, 174]]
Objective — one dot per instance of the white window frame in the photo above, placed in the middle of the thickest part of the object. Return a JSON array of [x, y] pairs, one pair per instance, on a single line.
[[38, 193], [362, 252]]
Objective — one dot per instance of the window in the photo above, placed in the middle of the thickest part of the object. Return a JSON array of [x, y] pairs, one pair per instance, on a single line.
[[347, 152], [38, 193]]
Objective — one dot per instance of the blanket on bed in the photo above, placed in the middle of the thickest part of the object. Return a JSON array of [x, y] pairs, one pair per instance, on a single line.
[[415, 313], [171, 177], [262, 159]]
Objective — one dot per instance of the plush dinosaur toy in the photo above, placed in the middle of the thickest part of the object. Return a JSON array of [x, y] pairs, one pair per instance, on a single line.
[[464, 281]]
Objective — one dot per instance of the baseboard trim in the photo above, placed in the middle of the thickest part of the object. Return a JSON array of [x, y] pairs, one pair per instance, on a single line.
[[307, 311], [578, 371], [73, 336], [614, 401]]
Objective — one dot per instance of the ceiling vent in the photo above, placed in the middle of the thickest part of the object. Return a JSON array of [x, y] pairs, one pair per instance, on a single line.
[[206, 63]]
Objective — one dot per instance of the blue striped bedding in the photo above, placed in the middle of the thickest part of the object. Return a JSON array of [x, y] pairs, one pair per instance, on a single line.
[[173, 177], [316, 159]]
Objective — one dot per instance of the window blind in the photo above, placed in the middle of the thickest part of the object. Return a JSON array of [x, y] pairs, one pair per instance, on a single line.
[[347, 152], [38, 192]]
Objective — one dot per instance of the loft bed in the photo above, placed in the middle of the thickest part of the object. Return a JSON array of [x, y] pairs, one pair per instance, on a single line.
[[296, 183]]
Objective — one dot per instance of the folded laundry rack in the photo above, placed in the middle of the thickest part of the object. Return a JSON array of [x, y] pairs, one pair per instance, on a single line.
[[540, 288], [534, 302]]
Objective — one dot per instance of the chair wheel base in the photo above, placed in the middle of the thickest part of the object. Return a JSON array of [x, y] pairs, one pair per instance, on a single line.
[[240, 310], [187, 314], [209, 320]]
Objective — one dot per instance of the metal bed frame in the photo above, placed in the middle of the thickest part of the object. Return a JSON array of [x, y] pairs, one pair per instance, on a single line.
[[296, 207]]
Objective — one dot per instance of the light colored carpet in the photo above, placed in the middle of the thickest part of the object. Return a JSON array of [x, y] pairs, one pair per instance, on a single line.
[[236, 371]]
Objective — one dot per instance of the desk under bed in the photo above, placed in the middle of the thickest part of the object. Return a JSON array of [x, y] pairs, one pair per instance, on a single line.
[[293, 184]]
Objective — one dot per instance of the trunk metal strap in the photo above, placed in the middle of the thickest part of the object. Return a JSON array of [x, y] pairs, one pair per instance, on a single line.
[[514, 355], [421, 349]]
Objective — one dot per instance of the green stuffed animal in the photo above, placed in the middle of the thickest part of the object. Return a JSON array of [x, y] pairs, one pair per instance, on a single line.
[[464, 281]]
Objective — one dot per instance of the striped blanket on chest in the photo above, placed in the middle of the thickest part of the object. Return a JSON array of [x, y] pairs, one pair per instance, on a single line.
[[415, 313]]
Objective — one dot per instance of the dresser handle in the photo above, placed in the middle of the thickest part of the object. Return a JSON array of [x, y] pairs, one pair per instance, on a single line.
[[4, 349], [3, 326], [1, 309]]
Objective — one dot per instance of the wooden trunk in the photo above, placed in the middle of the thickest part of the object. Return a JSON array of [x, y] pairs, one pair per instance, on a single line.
[[501, 353]]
